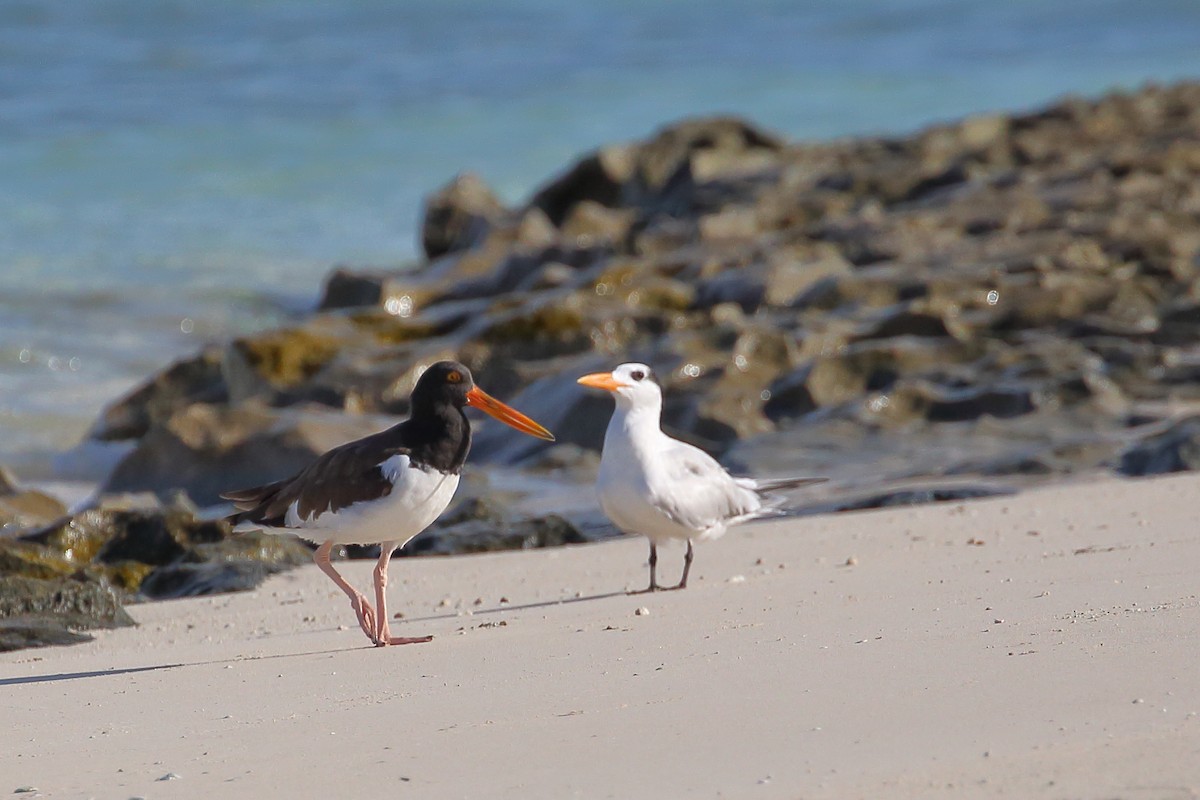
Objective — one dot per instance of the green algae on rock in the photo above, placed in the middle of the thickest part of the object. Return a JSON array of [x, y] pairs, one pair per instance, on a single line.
[[288, 356], [25, 508]]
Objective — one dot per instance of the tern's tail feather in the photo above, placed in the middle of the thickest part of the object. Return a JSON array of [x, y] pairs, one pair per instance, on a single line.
[[778, 484], [771, 504]]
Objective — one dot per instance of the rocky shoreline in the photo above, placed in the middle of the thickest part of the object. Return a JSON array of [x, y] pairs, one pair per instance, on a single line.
[[959, 312]]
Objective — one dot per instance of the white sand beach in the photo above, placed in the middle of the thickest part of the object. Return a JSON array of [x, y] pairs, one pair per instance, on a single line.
[[1041, 645]]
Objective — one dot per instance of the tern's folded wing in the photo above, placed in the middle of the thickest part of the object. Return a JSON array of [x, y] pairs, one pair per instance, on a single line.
[[695, 491]]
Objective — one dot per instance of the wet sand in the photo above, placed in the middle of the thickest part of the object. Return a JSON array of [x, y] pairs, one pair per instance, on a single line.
[[1041, 645]]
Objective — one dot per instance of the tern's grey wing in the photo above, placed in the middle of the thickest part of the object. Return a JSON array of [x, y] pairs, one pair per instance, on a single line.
[[695, 491]]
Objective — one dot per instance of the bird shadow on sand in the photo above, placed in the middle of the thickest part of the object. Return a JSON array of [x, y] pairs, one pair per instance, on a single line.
[[511, 607], [101, 673], [106, 673]]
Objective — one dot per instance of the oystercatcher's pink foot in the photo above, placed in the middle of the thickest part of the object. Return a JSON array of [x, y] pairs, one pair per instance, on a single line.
[[381, 634], [358, 601], [406, 640], [365, 614]]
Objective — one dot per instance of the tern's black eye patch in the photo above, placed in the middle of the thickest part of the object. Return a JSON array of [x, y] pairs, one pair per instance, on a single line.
[[637, 375]]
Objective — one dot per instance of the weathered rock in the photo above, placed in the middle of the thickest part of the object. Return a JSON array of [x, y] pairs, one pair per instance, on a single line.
[[904, 497], [564, 459], [37, 612], [25, 508], [590, 223], [459, 215], [789, 274], [182, 579], [970, 402], [110, 536], [730, 226], [73, 575], [1179, 323], [275, 551], [347, 288], [790, 397], [399, 293], [709, 148], [996, 296], [78, 604], [746, 289], [32, 560], [23, 632], [1176, 449], [576, 415], [277, 360], [207, 450], [194, 380], [904, 320], [546, 330], [597, 178], [481, 526], [146, 538], [664, 174]]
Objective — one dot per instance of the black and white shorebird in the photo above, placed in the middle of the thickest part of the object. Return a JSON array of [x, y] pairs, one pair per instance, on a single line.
[[665, 489], [384, 488]]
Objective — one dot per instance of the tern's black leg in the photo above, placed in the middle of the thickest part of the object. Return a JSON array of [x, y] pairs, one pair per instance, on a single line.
[[653, 587], [687, 566]]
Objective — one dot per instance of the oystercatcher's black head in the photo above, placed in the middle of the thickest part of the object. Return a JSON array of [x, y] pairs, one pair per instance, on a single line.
[[449, 383], [445, 383]]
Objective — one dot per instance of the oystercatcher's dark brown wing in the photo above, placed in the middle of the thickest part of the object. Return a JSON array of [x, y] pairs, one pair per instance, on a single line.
[[343, 476]]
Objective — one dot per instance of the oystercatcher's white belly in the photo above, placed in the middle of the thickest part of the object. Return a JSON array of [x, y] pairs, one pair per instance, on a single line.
[[418, 497]]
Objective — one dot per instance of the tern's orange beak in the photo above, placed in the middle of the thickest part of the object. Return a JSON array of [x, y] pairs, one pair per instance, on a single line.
[[601, 380], [478, 398]]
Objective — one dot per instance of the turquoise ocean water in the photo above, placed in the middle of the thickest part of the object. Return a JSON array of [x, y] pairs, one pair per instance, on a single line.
[[174, 172]]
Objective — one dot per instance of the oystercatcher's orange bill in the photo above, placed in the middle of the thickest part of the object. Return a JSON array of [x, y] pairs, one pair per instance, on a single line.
[[601, 380], [478, 398]]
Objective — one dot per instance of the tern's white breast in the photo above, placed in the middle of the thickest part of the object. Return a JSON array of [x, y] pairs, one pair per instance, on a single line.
[[418, 497], [628, 489], [661, 488]]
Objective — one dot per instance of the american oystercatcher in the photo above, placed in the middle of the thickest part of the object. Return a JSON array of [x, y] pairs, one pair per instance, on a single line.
[[662, 488], [384, 488]]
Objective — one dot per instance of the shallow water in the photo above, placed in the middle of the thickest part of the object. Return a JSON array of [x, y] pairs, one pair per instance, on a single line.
[[177, 173]]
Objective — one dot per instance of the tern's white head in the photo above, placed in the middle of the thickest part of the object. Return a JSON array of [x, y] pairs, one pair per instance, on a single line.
[[632, 385]]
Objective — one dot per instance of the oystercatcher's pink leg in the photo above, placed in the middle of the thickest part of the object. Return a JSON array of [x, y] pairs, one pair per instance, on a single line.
[[382, 635], [358, 601]]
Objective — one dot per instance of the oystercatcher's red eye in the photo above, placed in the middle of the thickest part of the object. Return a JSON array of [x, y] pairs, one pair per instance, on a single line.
[[454, 377]]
